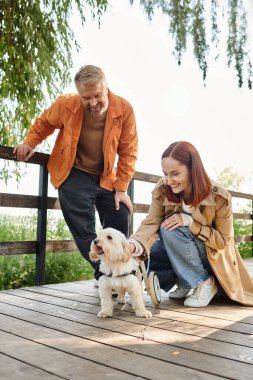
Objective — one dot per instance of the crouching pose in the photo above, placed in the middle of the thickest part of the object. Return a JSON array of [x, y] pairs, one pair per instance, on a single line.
[[119, 272], [193, 220]]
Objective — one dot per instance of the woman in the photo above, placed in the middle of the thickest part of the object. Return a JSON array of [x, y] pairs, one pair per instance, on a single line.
[[192, 217]]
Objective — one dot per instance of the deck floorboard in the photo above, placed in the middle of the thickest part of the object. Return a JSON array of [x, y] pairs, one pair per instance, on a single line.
[[53, 332]]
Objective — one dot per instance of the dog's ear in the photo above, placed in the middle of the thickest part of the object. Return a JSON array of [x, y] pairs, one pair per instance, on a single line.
[[126, 250]]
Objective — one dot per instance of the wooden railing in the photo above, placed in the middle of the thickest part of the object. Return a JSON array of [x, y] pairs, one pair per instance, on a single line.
[[43, 203]]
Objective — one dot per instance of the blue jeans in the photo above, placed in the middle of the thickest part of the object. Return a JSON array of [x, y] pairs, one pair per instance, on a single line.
[[179, 256], [79, 195], [160, 263]]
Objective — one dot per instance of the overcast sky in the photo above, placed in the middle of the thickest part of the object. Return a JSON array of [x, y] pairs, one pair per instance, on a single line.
[[170, 102]]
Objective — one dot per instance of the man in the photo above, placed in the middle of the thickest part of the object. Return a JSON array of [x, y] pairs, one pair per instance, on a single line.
[[94, 126]]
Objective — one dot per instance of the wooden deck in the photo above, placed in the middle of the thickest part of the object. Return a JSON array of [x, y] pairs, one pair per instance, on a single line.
[[52, 332]]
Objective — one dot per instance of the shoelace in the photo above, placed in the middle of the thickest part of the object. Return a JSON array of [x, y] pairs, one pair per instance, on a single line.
[[196, 292], [180, 290]]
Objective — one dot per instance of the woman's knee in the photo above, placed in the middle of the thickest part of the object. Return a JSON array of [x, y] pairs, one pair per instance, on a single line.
[[172, 234]]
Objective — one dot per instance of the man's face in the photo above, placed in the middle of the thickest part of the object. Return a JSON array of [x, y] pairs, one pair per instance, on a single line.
[[94, 97]]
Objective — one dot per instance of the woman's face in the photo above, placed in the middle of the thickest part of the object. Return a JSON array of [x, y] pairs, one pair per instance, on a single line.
[[177, 176]]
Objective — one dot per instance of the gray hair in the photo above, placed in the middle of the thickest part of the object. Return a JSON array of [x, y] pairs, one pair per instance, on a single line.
[[89, 74]]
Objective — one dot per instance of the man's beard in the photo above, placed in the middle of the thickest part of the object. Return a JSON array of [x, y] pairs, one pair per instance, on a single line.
[[98, 110]]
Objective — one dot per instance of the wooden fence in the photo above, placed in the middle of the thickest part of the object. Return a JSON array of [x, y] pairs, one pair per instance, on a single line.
[[43, 203]]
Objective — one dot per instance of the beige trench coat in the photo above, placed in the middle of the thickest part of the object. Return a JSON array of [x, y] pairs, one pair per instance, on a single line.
[[213, 224]]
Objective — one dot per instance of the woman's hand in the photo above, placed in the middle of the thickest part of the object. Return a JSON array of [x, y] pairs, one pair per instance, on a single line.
[[172, 222]]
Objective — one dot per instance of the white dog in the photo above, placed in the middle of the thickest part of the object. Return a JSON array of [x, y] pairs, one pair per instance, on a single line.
[[119, 270]]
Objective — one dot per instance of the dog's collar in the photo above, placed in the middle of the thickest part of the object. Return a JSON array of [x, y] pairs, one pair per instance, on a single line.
[[120, 275]]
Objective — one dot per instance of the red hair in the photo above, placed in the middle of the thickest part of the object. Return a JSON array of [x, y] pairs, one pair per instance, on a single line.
[[188, 155]]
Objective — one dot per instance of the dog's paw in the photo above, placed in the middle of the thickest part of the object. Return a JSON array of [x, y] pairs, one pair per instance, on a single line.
[[104, 314], [144, 313]]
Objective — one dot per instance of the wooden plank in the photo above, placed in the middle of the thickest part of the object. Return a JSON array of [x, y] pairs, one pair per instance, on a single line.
[[146, 177], [229, 358], [38, 353], [89, 349], [243, 238], [17, 247], [143, 209], [61, 246], [31, 201], [87, 300], [177, 322], [238, 215], [222, 303], [27, 201], [149, 348], [6, 152], [29, 247], [18, 200], [13, 369], [219, 308], [238, 194], [180, 322]]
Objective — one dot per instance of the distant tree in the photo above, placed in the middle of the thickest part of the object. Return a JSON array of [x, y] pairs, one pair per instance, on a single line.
[[196, 23], [232, 181], [229, 178], [35, 57]]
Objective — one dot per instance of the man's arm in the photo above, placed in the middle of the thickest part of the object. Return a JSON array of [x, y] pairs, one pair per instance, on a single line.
[[43, 127]]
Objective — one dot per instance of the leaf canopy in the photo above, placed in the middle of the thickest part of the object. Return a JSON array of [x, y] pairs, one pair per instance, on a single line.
[[35, 57], [36, 43], [195, 23]]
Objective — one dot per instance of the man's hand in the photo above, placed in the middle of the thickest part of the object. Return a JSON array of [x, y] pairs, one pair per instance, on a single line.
[[23, 152], [120, 196]]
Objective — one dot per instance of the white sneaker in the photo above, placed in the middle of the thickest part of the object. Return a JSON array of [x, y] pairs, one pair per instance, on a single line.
[[203, 294], [180, 292]]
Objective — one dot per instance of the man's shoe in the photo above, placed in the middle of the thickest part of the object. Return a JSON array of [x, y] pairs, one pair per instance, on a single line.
[[180, 292], [203, 294]]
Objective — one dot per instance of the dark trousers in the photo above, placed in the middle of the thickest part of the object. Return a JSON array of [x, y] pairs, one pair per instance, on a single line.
[[79, 195]]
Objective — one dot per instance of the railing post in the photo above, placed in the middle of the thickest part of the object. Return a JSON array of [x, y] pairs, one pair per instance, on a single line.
[[41, 227], [130, 192]]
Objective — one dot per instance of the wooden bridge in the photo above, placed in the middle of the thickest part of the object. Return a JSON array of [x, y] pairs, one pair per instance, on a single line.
[[52, 331]]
